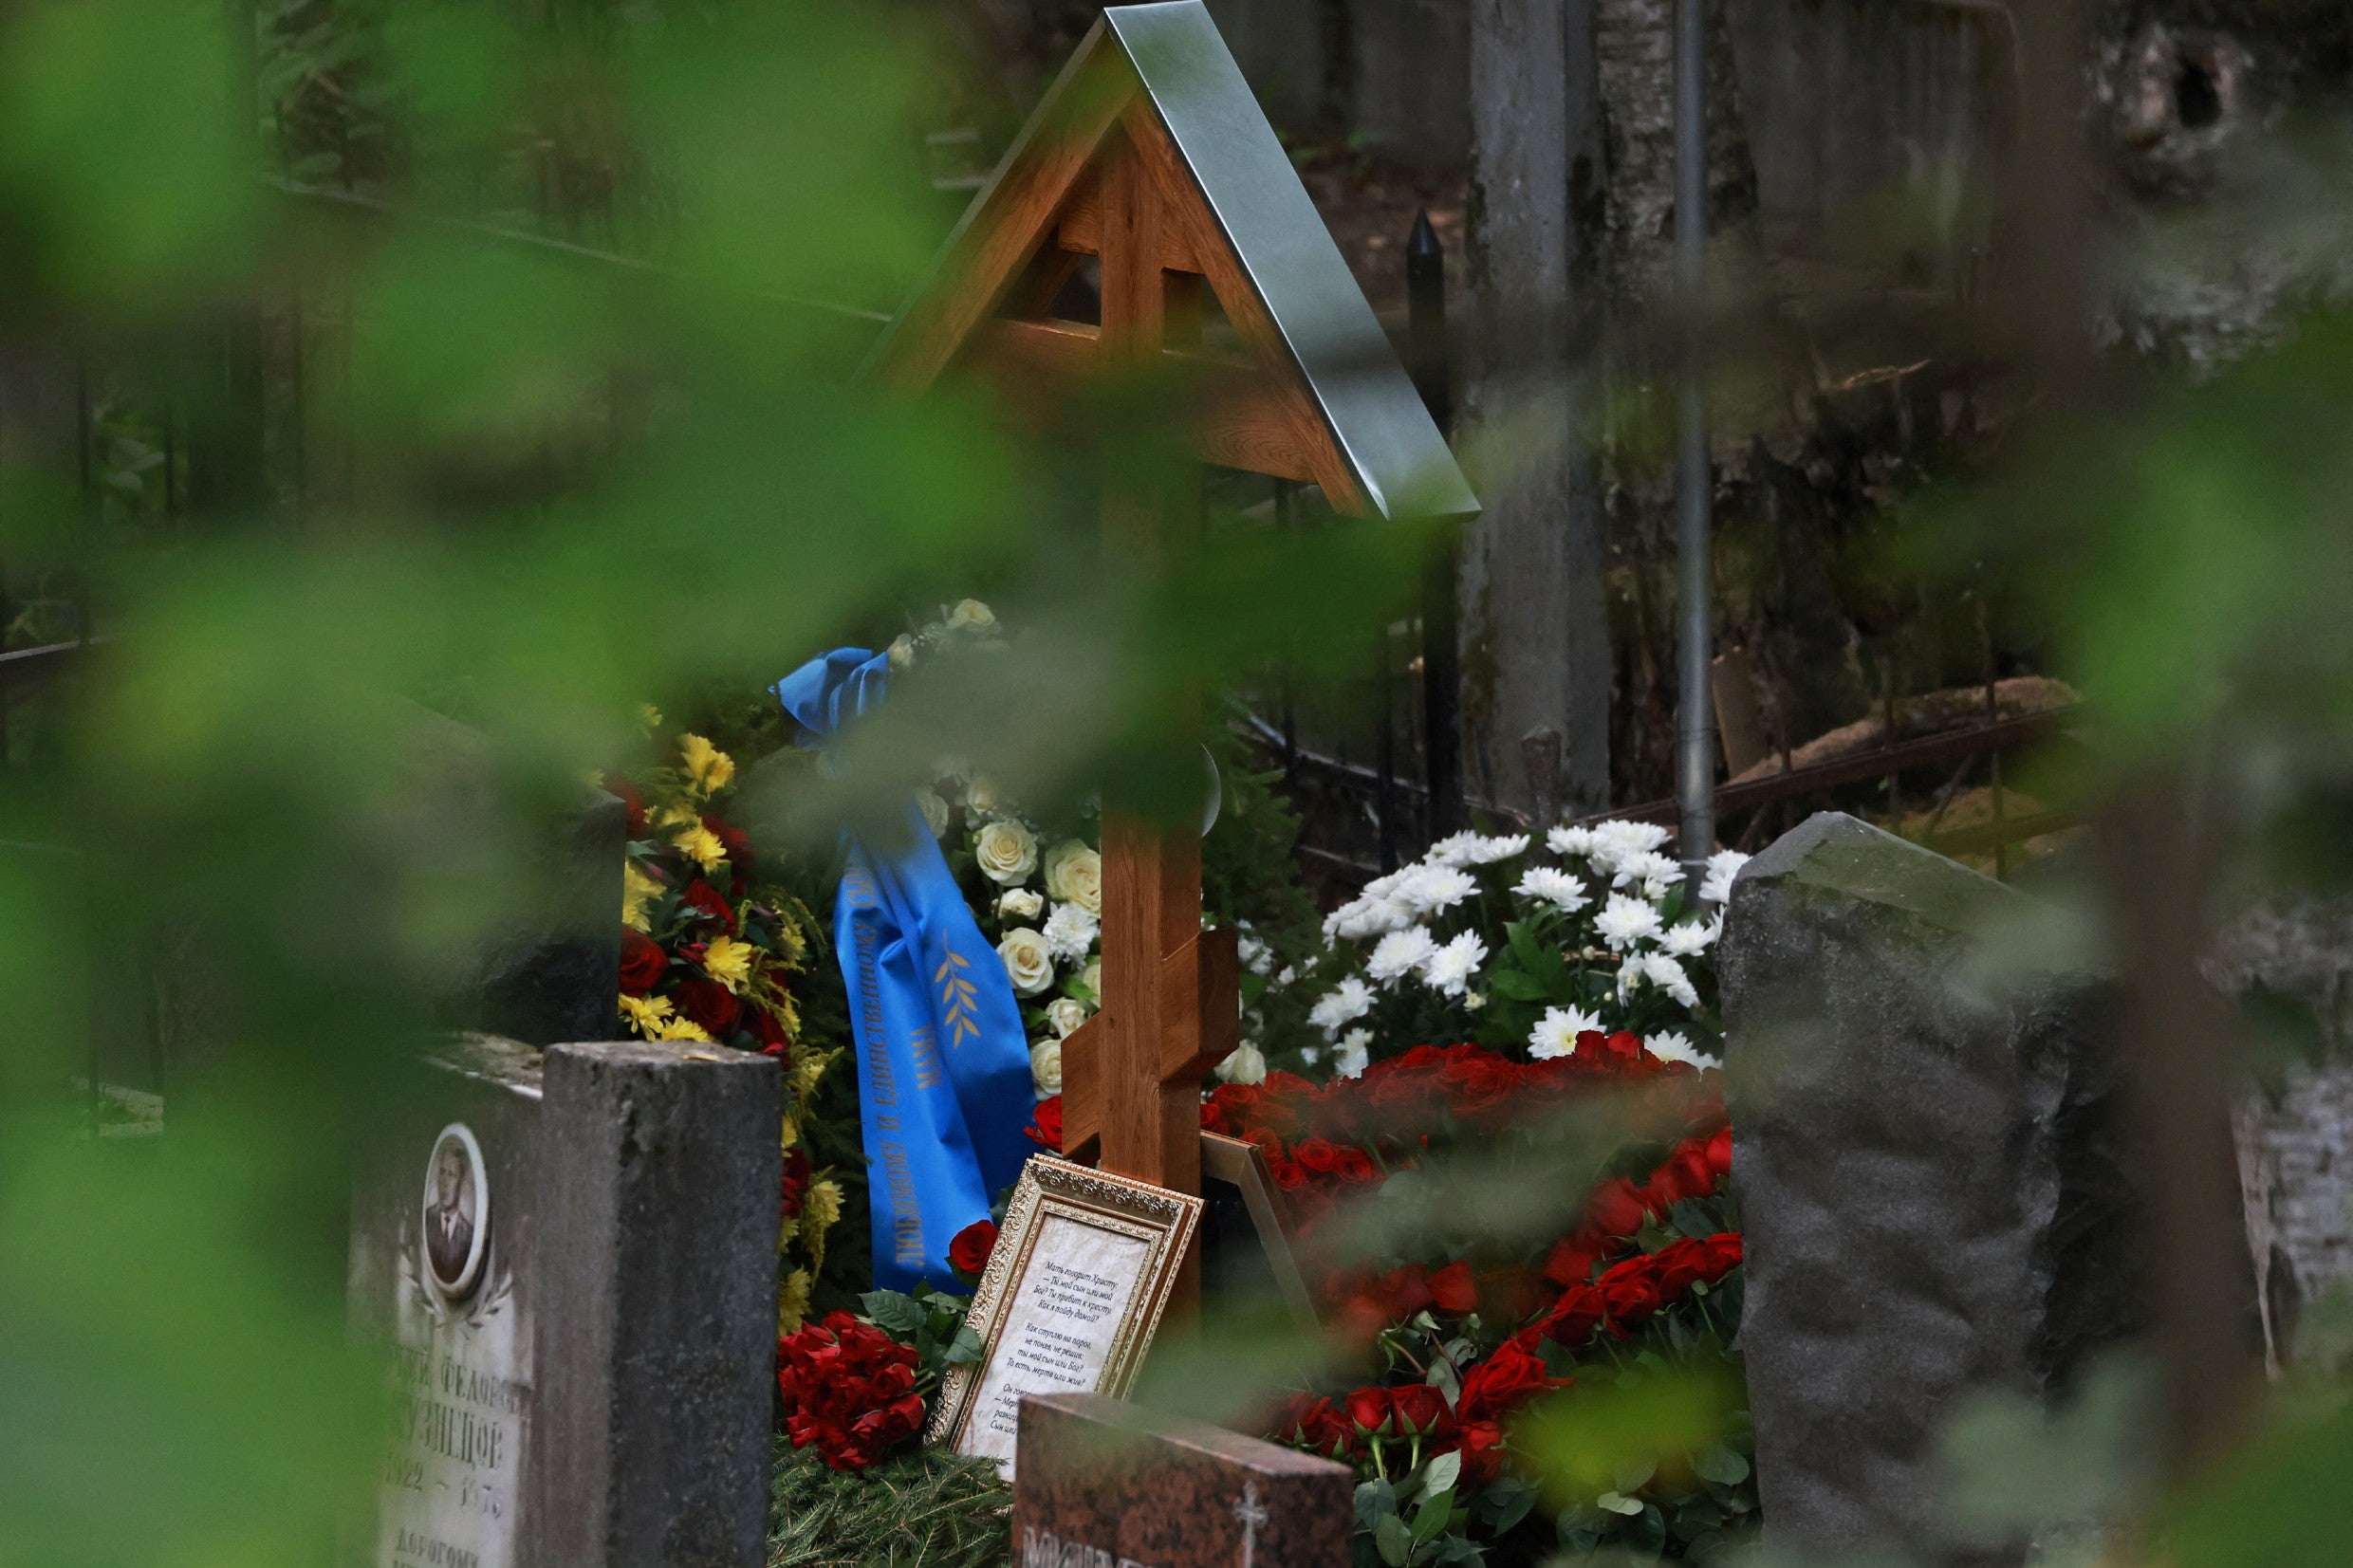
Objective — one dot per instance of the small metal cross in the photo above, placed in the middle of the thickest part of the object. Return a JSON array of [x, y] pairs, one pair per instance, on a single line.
[[1245, 1508]]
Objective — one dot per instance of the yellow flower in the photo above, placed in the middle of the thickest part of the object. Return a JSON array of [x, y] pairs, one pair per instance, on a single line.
[[645, 1014], [681, 1029], [649, 716], [728, 962], [702, 845], [792, 1300], [710, 768], [822, 1210], [638, 889]]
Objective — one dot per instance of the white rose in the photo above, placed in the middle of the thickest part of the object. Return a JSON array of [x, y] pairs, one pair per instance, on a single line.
[[971, 614], [1007, 851], [1065, 1013], [1046, 1067], [1091, 977], [1074, 875], [935, 810], [980, 797], [1244, 1065], [1021, 904], [1027, 965]]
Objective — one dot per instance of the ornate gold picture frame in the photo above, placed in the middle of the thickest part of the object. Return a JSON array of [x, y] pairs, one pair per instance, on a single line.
[[1069, 1301]]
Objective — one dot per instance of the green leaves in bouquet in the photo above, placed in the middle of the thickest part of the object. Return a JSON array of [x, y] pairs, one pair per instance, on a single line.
[[1417, 1521], [931, 1321], [1649, 1454]]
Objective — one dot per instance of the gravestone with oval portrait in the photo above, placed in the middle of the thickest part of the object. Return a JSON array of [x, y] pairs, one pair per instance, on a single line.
[[569, 1259]]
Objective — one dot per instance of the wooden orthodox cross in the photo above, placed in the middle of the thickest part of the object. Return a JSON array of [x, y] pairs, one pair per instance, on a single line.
[[1150, 155]]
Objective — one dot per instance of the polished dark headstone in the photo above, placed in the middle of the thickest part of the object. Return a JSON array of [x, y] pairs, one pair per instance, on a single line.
[[1102, 1484], [1927, 1152]]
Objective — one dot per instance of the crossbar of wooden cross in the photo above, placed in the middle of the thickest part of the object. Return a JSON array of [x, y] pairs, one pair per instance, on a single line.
[[1149, 156]]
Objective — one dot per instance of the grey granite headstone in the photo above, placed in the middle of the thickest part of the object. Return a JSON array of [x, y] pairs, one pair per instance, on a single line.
[[1930, 1176], [572, 1258]]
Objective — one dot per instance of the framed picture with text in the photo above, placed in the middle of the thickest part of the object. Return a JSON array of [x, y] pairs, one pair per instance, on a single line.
[[1073, 1291]]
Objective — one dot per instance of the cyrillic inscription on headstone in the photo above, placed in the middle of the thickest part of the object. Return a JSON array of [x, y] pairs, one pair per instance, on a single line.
[[461, 1371]]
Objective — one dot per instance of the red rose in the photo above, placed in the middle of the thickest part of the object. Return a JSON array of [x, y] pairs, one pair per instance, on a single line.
[[1319, 1156], [1357, 1168], [1504, 1382], [1677, 1265], [1420, 1408], [1724, 1253], [770, 1029], [1451, 1289], [634, 802], [1616, 1209], [1370, 1409], [1481, 1447], [1315, 1423], [848, 1390], [796, 1184], [1287, 1173], [642, 961], [969, 1253], [710, 1004], [704, 899], [1574, 1317], [1629, 1291], [1045, 1127], [1685, 1174], [1572, 1258], [1719, 1152]]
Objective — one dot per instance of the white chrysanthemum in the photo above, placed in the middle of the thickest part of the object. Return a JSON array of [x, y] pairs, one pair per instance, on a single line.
[[1281, 977], [1621, 838], [1555, 1034], [1255, 955], [1070, 932], [1477, 849], [1624, 921], [1447, 971], [1645, 866], [1353, 1052], [1455, 849], [1551, 885], [1433, 889], [1656, 969], [1343, 1004], [1689, 939], [1722, 867], [1376, 913], [1569, 841], [1673, 1046], [1399, 954]]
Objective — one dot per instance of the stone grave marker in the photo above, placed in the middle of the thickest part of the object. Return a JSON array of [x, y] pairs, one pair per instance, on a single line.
[[1931, 1173], [570, 1258], [1106, 1484]]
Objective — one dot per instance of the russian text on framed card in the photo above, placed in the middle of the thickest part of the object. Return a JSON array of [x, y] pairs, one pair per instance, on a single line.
[[1070, 1300]]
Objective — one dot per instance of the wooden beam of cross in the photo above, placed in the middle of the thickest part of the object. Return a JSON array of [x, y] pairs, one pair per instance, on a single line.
[[1150, 155]]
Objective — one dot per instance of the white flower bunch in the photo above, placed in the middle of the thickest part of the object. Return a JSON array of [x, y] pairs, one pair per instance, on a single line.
[[1502, 939]]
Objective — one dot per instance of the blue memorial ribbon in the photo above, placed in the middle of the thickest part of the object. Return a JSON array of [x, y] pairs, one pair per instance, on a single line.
[[943, 1060]]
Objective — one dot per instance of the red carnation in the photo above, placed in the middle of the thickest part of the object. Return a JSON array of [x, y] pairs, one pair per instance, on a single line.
[[1453, 1289], [969, 1253], [1045, 1129], [642, 961], [710, 1004]]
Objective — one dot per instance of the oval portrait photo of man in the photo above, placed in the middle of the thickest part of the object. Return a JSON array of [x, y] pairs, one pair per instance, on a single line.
[[457, 1212]]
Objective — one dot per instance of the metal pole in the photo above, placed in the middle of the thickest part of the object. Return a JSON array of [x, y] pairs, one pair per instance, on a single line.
[[1695, 784], [1441, 665]]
